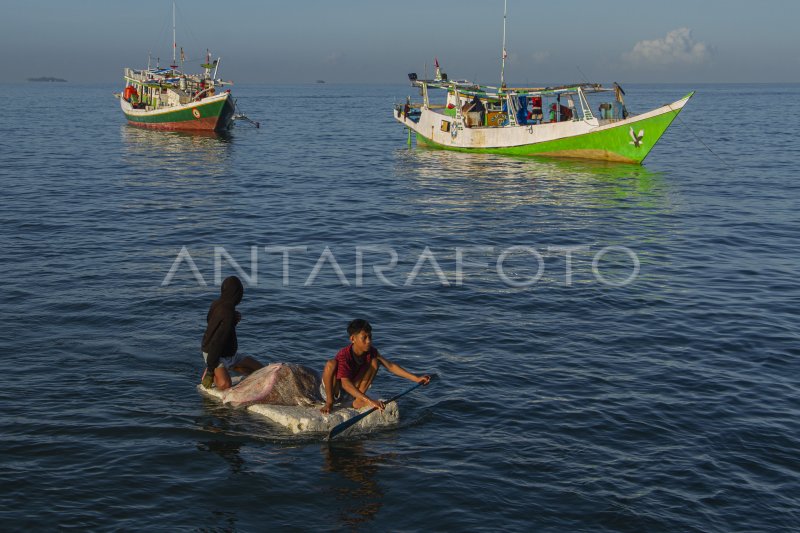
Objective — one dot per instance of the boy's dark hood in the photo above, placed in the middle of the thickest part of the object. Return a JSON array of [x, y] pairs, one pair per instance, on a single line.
[[231, 290]]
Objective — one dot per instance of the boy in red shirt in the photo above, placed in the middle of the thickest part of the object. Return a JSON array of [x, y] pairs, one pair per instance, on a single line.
[[355, 366]]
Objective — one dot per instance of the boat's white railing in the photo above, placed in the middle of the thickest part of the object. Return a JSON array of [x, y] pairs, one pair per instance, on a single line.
[[135, 74], [512, 109], [586, 109], [460, 121]]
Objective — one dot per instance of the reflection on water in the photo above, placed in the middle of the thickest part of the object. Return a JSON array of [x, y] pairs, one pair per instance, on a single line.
[[167, 171], [227, 447], [514, 200], [228, 450], [182, 153], [494, 182], [360, 497]]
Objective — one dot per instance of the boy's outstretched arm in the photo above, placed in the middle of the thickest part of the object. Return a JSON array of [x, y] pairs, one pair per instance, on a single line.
[[398, 370]]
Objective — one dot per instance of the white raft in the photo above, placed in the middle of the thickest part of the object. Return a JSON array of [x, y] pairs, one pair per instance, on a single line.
[[302, 419]]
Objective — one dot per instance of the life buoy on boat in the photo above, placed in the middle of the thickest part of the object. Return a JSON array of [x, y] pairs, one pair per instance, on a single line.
[[130, 90], [196, 112]]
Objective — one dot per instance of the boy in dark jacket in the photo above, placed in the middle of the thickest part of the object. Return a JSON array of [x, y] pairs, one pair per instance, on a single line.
[[219, 341]]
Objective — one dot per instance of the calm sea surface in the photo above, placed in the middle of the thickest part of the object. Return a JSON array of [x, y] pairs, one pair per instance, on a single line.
[[573, 403]]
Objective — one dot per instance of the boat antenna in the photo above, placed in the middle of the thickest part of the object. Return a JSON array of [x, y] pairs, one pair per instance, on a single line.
[[505, 54], [174, 43]]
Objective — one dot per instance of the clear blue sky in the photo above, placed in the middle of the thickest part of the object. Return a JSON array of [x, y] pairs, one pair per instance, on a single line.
[[382, 40]]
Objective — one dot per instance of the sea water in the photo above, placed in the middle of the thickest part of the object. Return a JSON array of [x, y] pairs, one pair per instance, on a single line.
[[616, 345]]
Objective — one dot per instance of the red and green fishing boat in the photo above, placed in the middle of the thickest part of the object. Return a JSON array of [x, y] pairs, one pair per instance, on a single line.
[[173, 101], [170, 99]]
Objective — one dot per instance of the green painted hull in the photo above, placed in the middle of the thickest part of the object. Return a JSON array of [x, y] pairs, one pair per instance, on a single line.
[[215, 115]]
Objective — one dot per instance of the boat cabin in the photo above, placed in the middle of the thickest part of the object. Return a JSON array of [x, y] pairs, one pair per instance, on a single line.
[[152, 89], [479, 106]]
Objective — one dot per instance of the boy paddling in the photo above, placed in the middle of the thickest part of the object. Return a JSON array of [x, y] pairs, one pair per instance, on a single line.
[[355, 366]]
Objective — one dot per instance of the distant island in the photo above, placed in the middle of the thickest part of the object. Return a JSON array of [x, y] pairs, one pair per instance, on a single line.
[[47, 78], [320, 81]]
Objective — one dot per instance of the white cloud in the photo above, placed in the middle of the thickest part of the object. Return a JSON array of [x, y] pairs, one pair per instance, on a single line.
[[677, 48]]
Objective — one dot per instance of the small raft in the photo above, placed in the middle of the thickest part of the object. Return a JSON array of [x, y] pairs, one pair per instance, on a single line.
[[298, 418]]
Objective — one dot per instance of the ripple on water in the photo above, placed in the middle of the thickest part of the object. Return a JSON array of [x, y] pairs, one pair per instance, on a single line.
[[668, 404]]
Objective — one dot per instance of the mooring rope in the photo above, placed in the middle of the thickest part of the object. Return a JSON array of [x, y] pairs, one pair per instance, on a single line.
[[678, 115]]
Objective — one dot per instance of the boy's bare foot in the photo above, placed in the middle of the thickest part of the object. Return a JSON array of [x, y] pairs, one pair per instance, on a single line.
[[358, 403]]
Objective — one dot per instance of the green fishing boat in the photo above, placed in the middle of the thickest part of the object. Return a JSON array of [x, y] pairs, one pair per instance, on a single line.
[[556, 121], [170, 99]]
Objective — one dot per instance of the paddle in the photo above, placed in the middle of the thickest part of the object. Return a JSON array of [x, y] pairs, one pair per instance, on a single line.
[[347, 423]]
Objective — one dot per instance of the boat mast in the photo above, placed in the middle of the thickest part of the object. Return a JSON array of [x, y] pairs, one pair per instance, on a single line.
[[174, 43], [503, 64]]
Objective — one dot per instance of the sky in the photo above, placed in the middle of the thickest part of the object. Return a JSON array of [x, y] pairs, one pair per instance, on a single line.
[[381, 41]]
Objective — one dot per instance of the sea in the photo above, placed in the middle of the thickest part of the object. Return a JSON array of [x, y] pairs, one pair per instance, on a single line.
[[615, 346]]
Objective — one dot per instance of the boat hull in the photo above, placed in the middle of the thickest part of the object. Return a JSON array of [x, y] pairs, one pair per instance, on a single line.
[[626, 141], [214, 113]]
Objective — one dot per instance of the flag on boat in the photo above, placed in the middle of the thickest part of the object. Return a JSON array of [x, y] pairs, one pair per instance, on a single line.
[[438, 75]]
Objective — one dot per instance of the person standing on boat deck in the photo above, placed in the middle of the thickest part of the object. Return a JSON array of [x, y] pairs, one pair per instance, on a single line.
[[220, 347], [478, 107], [355, 366]]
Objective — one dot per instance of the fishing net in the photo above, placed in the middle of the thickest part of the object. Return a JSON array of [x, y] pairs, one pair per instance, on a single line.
[[276, 384]]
